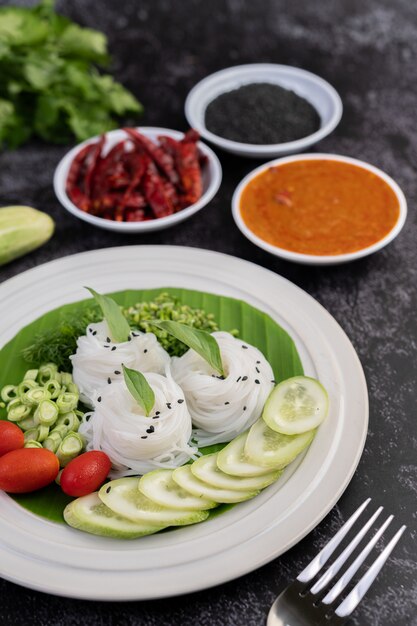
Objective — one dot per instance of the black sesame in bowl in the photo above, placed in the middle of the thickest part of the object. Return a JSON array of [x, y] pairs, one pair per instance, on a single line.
[[261, 114]]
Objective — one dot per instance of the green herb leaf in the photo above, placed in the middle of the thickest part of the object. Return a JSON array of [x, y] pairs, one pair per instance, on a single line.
[[116, 321], [199, 340], [139, 388]]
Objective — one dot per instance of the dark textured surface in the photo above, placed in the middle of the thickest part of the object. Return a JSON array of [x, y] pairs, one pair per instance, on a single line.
[[368, 52]]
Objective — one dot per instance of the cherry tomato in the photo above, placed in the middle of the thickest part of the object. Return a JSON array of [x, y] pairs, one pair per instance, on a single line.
[[85, 473], [11, 437], [27, 469]]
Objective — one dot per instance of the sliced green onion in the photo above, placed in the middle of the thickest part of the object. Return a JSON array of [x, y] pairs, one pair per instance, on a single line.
[[25, 385], [8, 393], [46, 413], [67, 401], [43, 432], [72, 388], [61, 430], [13, 403], [31, 434], [49, 371], [18, 412], [36, 395], [66, 378], [69, 420], [58, 478], [52, 441], [31, 375], [27, 423], [53, 387], [32, 444], [69, 448]]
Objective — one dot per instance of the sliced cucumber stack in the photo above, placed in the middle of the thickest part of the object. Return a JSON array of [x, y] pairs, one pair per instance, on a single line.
[[207, 470], [184, 477], [123, 497], [160, 487], [233, 460], [296, 405], [92, 516], [273, 450]]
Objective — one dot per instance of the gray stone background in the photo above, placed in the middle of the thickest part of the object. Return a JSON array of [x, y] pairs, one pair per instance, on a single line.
[[368, 51]]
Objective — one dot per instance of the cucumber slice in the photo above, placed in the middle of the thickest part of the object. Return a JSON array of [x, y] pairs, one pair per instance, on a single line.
[[207, 470], [124, 498], [233, 460], [92, 516], [159, 487], [184, 477], [296, 405], [270, 449]]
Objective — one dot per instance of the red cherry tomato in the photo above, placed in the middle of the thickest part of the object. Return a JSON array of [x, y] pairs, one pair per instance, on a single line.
[[27, 469], [85, 473], [11, 437]]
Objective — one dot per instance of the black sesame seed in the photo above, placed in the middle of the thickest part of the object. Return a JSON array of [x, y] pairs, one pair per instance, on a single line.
[[258, 382], [99, 399], [113, 349], [221, 377], [135, 334], [94, 332], [244, 347], [257, 369], [144, 437], [180, 401], [155, 417], [145, 351], [108, 489], [117, 372], [90, 330], [151, 429], [244, 408], [169, 405], [245, 378], [258, 362], [106, 346], [239, 379], [274, 382], [157, 412], [108, 340], [109, 380], [227, 402], [129, 338]]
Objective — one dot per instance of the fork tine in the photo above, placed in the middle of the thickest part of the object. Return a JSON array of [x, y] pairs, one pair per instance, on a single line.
[[351, 571], [350, 603], [335, 567], [322, 557]]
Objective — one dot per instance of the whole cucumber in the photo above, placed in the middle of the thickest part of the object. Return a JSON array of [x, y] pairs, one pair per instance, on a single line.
[[22, 229]]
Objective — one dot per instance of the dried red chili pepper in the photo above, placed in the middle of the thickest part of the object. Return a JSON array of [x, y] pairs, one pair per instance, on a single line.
[[92, 163], [77, 165], [104, 169], [79, 198], [163, 159], [190, 173], [155, 194]]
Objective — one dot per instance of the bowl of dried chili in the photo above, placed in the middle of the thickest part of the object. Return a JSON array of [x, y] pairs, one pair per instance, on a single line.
[[138, 179], [319, 209]]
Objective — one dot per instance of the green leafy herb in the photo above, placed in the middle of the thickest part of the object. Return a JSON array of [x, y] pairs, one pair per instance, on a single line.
[[202, 342], [139, 389], [118, 325], [50, 86]]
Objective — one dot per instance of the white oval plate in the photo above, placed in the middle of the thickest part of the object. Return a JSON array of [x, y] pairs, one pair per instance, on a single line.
[[56, 559]]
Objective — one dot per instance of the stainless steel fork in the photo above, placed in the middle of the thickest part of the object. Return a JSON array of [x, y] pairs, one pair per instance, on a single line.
[[306, 604]]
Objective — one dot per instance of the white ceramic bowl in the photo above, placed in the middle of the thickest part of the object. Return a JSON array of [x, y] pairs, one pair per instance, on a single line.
[[212, 176], [314, 89], [312, 259]]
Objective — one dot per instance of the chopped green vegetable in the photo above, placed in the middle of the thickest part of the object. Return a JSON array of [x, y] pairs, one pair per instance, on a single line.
[[69, 448], [139, 388], [50, 86]]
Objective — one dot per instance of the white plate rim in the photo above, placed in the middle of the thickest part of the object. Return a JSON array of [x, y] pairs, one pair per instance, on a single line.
[[334, 356]]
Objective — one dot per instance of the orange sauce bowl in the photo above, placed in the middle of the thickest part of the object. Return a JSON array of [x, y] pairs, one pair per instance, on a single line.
[[319, 209]]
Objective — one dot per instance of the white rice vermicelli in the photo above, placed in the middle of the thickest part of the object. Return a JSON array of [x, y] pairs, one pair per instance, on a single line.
[[98, 360], [222, 408], [134, 442]]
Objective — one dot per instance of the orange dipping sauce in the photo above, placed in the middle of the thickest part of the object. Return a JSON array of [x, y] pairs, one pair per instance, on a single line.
[[319, 207]]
